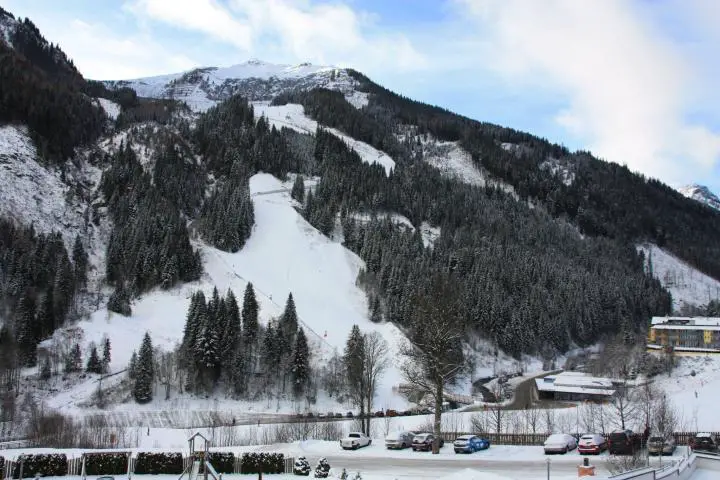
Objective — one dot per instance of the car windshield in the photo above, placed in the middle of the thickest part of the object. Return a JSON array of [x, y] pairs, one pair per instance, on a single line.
[[587, 437], [354, 435], [421, 437], [556, 438], [464, 437], [657, 439]]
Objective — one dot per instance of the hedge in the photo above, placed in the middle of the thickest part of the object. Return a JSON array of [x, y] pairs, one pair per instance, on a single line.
[[262, 462], [159, 463], [222, 462], [106, 463], [46, 465], [2, 467]]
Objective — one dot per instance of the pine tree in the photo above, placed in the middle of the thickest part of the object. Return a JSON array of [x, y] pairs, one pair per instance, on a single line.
[[132, 366], [28, 333], [289, 322], [45, 369], [144, 372], [80, 262], [250, 316], [298, 189], [106, 356], [232, 329], [353, 358], [300, 365], [73, 361], [94, 365]]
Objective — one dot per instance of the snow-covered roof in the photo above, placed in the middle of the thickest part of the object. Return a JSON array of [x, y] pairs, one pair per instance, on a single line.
[[575, 382], [691, 322]]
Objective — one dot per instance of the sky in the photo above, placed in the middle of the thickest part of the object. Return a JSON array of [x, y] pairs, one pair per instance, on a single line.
[[633, 81]]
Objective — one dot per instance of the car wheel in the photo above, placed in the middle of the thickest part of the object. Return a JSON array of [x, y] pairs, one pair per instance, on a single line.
[[369, 442], [565, 450], [355, 447]]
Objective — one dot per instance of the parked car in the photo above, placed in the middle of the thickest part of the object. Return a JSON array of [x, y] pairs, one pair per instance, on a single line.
[[560, 443], [659, 445], [399, 440], [424, 442], [355, 440], [592, 443], [624, 442], [379, 413], [470, 444], [391, 413], [349, 415], [338, 415], [704, 441]]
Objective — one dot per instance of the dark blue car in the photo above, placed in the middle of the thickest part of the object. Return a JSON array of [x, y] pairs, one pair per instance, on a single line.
[[470, 444]]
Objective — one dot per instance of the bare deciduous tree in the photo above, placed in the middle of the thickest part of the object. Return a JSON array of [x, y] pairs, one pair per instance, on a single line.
[[434, 358], [375, 362], [664, 417], [532, 419], [624, 407]]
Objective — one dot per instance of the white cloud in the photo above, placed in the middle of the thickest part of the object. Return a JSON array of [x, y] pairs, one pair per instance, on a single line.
[[100, 53], [295, 30], [627, 85]]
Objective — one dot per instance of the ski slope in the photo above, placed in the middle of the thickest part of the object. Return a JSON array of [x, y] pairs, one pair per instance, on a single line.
[[686, 284], [284, 254], [293, 116]]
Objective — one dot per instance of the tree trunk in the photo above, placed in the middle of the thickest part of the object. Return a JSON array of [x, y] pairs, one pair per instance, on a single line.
[[438, 415], [362, 417], [367, 420]]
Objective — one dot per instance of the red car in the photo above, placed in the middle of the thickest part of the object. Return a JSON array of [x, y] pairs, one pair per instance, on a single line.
[[592, 443]]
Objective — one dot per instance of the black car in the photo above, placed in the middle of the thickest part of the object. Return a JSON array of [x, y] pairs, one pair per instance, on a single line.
[[424, 441], [704, 441], [624, 442]]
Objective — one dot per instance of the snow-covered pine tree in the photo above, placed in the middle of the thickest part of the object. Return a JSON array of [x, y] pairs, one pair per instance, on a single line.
[[80, 262], [196, 311], [73, 361], [106, 355], [232, 330], [45, 369], [250, 317], [298, 189], [145, 372], [132, 366], [300, 365], [353, 359], [94, 365], [289, 321]]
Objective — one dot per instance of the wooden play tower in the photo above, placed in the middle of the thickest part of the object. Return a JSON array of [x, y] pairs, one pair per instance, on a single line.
[[199, 447]]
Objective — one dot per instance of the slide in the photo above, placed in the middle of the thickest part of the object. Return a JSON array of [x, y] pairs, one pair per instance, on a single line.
[[211, 471], [195, 470]]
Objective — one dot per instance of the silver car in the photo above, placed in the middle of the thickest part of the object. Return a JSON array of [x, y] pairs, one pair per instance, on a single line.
[[399, 440], [658, 445]]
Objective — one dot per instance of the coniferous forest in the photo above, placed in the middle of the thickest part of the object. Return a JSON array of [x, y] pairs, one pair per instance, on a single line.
[[538, 271]]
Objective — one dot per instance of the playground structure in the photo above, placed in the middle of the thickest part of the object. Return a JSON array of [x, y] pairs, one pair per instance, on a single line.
[[199, 458]]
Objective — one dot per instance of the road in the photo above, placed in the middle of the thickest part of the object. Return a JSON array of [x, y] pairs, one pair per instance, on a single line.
[[433, 468]]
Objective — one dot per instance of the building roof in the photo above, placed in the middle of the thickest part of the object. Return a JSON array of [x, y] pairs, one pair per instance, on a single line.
[[575, 382], [686, 321], [550, 387]]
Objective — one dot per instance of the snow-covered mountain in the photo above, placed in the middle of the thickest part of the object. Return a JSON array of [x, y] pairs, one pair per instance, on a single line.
[[702, 194], [201, 88]]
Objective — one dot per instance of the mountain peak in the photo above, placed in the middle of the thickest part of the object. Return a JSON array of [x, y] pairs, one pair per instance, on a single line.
[[702, 194]]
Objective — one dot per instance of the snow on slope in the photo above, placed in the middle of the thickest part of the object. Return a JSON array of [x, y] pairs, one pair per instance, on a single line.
[[284, 254], [686, 284], [293, 116], [452, 161], [32, 194], [695, 396], [701, 194], [111, 108]]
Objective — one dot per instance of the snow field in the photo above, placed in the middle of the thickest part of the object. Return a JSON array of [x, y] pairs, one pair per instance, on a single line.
[[284, 254], [686, 284], [112, 109], [293, 116]]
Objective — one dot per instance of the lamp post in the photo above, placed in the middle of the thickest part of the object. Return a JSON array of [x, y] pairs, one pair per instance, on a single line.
[[547, 460]]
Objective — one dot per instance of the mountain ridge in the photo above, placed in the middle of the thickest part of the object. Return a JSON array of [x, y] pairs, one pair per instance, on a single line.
[[701, 194]]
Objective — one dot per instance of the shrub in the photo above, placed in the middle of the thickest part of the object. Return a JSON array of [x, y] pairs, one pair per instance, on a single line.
[[159, 463], [222, 462], [46, 465], [2, 467], [262, 462], [106, 463]]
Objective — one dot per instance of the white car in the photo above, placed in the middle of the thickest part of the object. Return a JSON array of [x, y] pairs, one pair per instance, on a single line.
[[355, 440], [560, 443]]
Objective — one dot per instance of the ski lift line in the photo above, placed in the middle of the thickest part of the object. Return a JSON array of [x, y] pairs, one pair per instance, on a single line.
[[302, 322]]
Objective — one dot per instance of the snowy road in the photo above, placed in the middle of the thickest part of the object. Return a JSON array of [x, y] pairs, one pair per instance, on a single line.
[[427, 468]]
